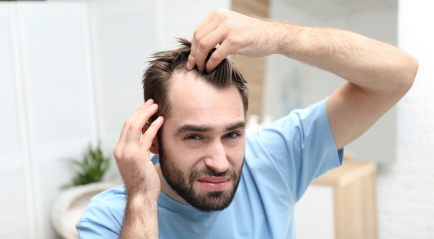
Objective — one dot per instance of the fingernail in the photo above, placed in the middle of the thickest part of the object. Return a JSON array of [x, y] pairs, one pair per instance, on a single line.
[[147, 101], [188, 65], [154, 106]]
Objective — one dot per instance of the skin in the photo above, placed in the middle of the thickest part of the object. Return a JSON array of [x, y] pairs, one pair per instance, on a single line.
[[378, 75], [194, 103], [198, 103], [138, 173]]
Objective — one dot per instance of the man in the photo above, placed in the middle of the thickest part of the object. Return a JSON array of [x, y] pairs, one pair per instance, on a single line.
[[214, 179]]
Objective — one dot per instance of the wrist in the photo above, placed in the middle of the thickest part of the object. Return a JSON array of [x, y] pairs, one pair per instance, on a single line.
[[289, 38], [141, 218], [142, 192], [140, 201]]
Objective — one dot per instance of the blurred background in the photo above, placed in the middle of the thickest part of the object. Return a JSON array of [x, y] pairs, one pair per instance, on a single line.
[[71, 71]]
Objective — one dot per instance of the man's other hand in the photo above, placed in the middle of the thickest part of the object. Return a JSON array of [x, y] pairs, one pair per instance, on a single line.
[[132, 154]]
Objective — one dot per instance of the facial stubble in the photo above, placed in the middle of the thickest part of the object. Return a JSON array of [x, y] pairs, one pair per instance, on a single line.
[[211, 201]]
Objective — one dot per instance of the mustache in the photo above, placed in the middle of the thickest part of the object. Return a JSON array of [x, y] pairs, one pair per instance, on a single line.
[[208, 172]]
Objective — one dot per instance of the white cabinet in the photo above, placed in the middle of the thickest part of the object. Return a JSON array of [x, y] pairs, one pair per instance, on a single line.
[[340, 204], [314, 213]]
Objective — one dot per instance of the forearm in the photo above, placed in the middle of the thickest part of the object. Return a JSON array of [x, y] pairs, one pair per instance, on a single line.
[[368, 63], [141, 218]]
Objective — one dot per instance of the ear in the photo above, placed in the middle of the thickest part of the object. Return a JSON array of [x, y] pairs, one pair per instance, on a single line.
[[154, 146]]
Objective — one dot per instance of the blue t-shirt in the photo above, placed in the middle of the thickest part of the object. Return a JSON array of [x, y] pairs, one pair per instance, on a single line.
[[281, 161]]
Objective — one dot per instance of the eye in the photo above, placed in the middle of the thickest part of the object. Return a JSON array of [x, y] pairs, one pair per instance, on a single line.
[[232, 135], [193, 137]]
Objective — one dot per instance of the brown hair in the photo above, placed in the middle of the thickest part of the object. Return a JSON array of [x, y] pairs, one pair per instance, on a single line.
[[156, 80]]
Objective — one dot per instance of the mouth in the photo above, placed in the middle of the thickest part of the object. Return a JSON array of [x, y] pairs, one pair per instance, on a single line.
[[214, 183]]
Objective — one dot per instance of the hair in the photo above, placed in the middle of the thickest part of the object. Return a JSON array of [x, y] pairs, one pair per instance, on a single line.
[[156, 79]]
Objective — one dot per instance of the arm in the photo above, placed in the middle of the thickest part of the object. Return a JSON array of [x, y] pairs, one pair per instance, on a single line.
[[141, 218], [378, 74], [142, 182]]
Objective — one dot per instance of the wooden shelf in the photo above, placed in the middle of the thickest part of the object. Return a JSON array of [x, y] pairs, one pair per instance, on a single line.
[[355, 199]]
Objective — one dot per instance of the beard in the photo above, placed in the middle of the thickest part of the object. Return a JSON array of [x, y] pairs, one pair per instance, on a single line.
[[182, 184]]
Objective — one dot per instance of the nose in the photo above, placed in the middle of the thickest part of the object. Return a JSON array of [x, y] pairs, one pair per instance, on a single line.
[[216, 159]]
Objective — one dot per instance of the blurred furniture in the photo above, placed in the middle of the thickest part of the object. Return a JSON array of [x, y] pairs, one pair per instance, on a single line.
[[340, 204], [253, 69], [69, 206]]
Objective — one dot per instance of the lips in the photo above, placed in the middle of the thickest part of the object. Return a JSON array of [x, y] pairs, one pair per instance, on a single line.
[[214, 183], [214, 179]]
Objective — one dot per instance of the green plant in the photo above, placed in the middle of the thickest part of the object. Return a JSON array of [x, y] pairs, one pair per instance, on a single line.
[[91, 168]]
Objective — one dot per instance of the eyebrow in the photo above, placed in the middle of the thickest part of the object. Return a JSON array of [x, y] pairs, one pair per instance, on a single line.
[[203, 129]]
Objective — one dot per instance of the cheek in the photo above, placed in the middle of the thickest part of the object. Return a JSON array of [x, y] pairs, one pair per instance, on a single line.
[[176, 151], [184, 158]]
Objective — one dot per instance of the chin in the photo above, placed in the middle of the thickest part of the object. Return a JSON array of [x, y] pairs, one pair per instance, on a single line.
[[211, 200]]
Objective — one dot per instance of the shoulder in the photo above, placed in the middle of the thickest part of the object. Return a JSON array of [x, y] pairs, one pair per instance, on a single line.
[[300, 140], [104, 212], [292, 128], [297, 148]]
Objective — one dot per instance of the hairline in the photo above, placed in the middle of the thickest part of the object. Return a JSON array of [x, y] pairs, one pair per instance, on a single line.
[[196, 74]]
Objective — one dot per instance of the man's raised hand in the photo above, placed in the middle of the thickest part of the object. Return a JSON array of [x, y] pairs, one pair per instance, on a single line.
[[132, 153], [236, 34]]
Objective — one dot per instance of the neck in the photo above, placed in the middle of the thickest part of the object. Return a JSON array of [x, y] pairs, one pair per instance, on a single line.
[[166, 189]]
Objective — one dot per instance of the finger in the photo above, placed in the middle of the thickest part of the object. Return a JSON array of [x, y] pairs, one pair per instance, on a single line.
[[146, 127], [150, 134], [134, 130], [209, 19], [198, 35], [206, 45], [123, 136], [197, 43], [223, 51]]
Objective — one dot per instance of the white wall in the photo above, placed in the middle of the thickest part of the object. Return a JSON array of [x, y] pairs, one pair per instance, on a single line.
[[406, 188], [70, 73], [15, 204], [48, 107], [290, 84]]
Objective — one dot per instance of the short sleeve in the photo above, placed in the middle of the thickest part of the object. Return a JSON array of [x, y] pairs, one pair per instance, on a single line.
[[301, 146], [103, 217], [93, 229]]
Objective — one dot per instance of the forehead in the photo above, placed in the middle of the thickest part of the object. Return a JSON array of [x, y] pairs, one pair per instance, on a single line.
[[197, 102]]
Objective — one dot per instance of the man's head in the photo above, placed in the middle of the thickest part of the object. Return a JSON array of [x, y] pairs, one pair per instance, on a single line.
[[158, 75], [201, 144]]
